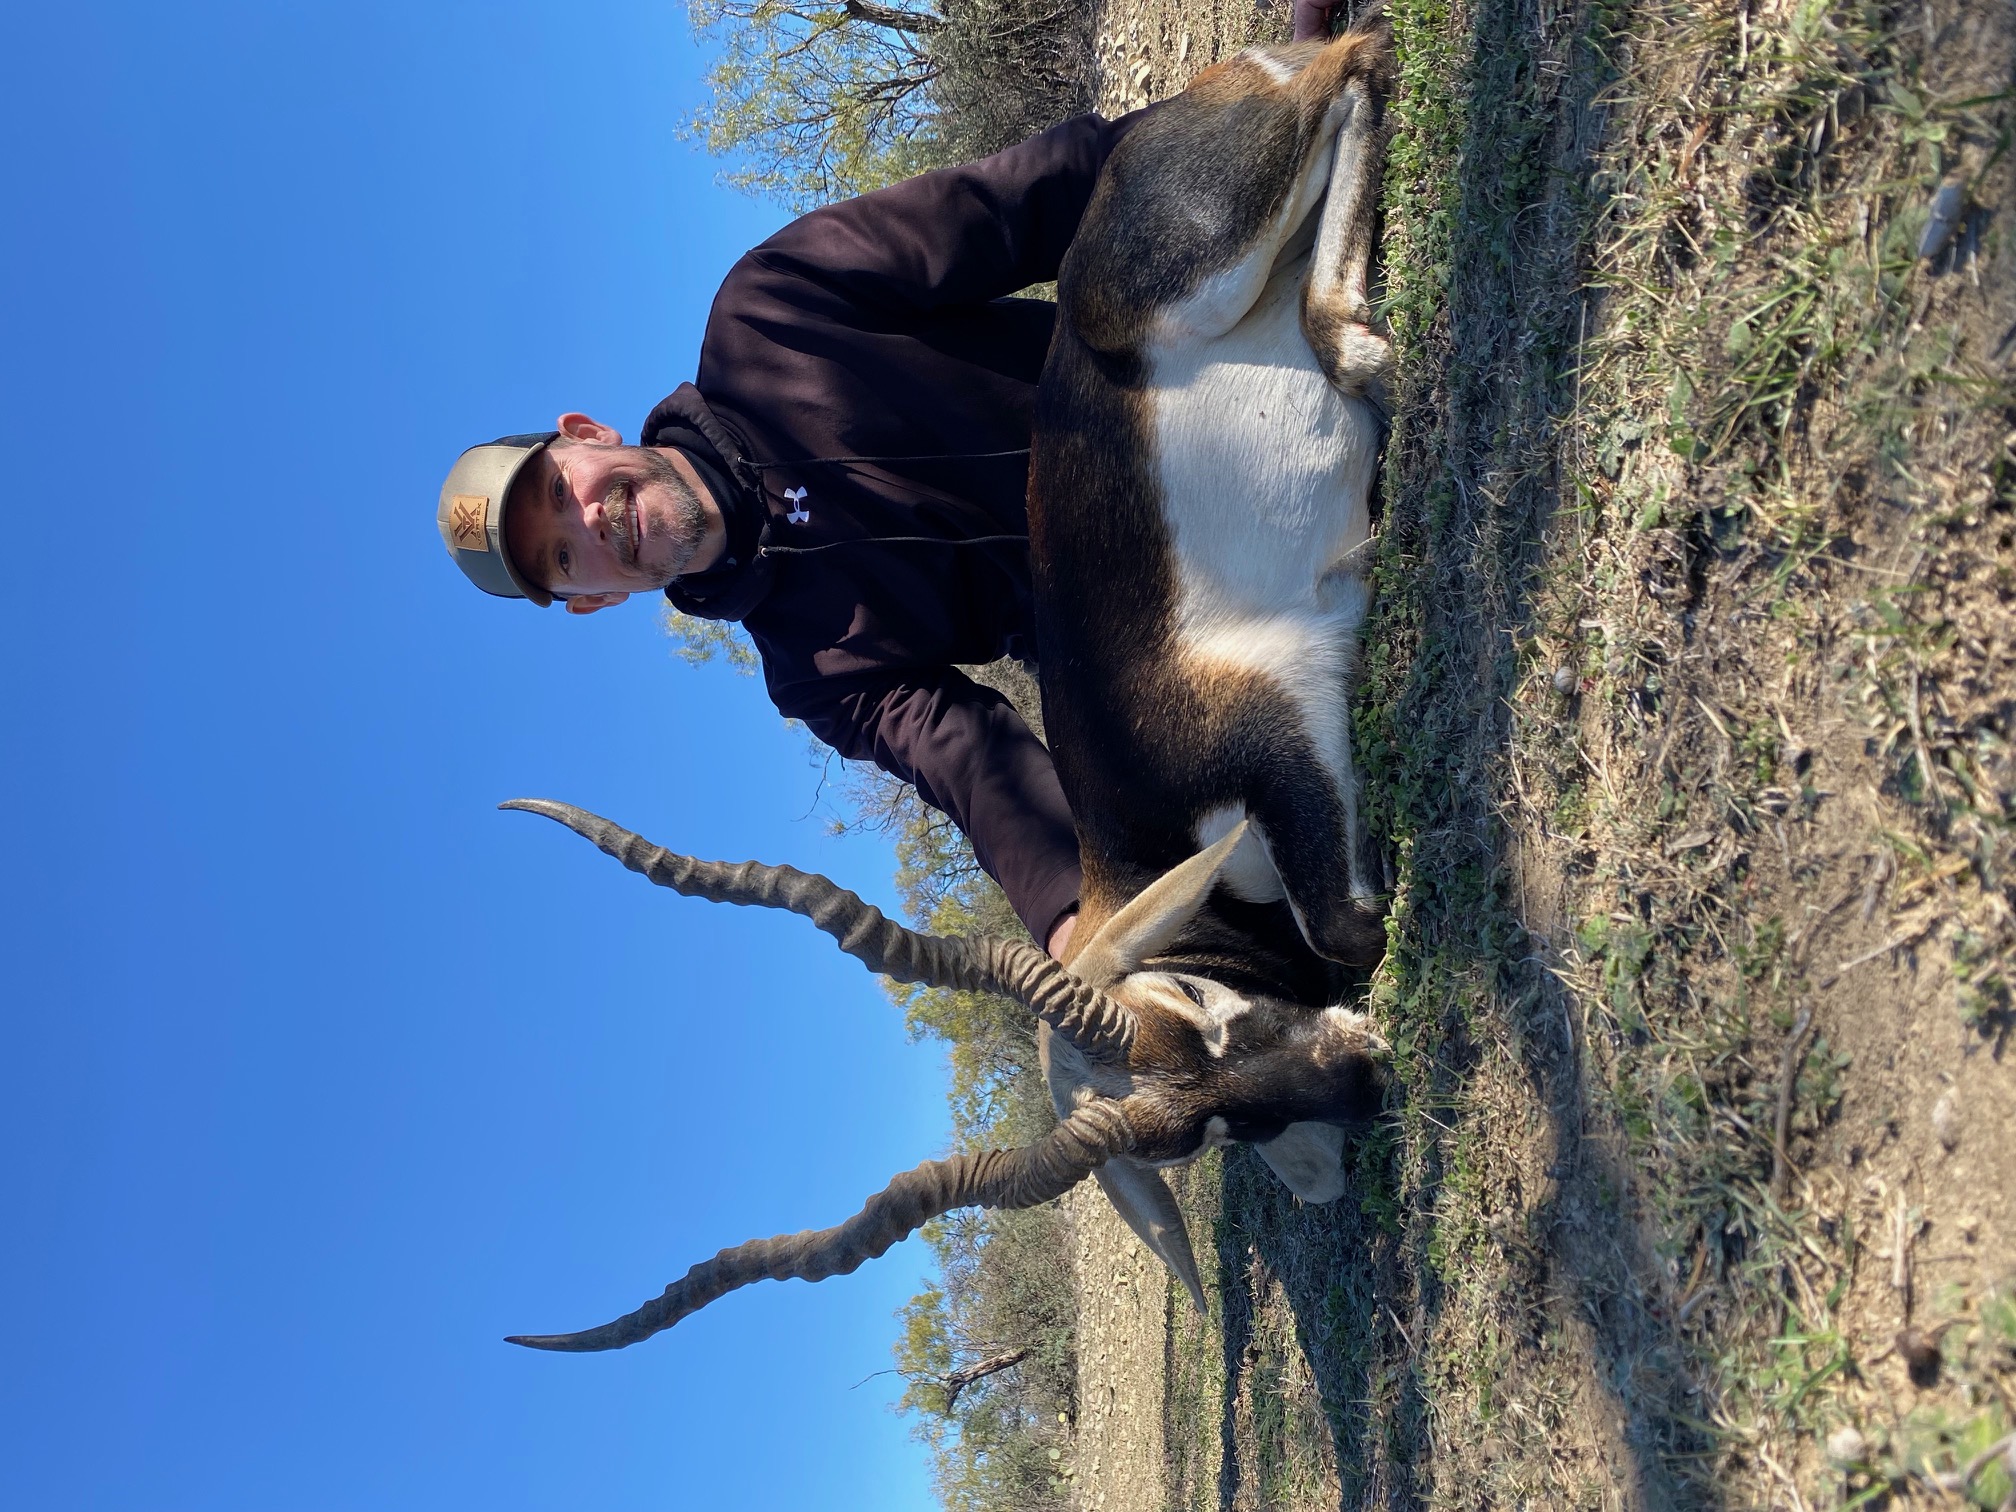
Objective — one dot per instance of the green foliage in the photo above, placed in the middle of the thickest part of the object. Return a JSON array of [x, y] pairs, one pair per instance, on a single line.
[[815, 103], [924, 1353], [697, 642], [1003, 1440], [1008, 69]]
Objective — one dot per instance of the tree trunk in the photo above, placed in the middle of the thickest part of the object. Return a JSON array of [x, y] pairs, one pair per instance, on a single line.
[[894, 17], [960, 1379]]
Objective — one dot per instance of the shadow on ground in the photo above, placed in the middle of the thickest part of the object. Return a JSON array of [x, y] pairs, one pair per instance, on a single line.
[[1488, 305]]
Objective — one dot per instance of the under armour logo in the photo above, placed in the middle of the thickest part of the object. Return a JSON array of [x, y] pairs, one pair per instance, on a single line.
[[799, 514]]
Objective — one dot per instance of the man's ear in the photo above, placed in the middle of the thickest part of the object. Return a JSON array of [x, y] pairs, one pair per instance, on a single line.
[[579, 427], [588, 603]]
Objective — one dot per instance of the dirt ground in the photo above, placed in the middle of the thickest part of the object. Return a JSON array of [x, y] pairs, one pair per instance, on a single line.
[[1123, 1308], [1689, 732]]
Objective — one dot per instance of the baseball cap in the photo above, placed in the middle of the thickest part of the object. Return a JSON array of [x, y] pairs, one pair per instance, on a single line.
[[472, 514]]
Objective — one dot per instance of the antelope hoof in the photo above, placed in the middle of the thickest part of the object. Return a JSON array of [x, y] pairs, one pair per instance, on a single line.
[[1353, 935]]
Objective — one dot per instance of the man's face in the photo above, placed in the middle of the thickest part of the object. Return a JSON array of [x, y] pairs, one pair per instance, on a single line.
[[592, 520]]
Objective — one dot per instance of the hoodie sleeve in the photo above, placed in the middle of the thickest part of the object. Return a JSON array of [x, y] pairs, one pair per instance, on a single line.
[[956, 236], [969, 755]]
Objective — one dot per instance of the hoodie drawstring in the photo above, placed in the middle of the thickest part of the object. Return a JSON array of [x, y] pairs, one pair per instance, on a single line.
[[986, 540]]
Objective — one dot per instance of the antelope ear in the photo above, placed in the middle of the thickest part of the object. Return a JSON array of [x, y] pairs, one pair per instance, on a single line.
[[1155, 916], [1140, 1195], [1064, 1068], [1309, 1159]]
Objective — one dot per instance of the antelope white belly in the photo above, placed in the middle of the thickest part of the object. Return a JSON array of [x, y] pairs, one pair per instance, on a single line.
[[1265, 469], [1266, 475]]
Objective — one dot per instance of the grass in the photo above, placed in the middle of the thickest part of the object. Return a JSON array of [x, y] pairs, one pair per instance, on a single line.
[[1692, 449]]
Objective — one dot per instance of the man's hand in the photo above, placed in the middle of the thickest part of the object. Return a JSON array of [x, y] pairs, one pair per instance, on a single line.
[[1061, 935], [1312, 19]]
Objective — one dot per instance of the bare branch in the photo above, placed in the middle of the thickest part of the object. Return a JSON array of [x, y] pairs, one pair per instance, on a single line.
[[960, 1379], [894, 17]]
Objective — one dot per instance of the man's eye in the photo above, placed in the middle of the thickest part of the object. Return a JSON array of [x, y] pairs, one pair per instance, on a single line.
[[559, 489], [565, 562]]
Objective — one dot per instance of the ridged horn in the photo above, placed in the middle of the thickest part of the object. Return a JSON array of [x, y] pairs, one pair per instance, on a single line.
[[1155, 915], [1087, 1017], [1022, 1178]]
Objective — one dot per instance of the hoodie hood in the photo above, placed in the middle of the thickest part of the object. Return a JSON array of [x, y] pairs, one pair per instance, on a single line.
[[741, 579]]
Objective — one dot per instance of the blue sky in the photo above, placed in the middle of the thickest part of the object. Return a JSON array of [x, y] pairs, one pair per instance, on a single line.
[[323, 1074]]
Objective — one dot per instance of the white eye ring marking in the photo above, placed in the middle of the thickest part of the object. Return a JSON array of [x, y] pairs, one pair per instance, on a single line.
[[1210, 1008]]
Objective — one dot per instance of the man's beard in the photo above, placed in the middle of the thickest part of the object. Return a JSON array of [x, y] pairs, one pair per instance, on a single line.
[[675, 536]]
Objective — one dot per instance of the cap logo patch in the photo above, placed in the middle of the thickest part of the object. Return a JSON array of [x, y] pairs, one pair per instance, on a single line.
[[467, 514]]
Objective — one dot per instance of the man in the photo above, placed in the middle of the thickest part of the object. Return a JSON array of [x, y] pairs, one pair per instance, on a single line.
[[845, 477]]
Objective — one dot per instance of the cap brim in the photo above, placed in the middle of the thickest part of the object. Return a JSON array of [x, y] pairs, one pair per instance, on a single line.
[[471, 517]]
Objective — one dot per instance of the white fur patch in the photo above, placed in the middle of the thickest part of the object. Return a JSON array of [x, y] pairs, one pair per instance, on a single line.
[[1349, 1022], [1266, 477], [1277, 69], [1250, 872], [1213, 1020]]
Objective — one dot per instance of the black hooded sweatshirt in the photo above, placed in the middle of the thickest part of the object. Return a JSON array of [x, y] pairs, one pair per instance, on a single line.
[[862, 413]]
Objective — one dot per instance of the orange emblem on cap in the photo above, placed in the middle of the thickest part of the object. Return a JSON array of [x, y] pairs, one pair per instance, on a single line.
[[466, 521]]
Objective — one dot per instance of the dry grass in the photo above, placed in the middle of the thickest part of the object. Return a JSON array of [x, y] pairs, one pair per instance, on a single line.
[[1688, 722]]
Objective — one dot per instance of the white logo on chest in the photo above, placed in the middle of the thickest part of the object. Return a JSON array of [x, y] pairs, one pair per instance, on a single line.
[[799, 513]]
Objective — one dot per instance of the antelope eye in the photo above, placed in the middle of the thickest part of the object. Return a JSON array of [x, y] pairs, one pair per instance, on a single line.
[[1192, 991]]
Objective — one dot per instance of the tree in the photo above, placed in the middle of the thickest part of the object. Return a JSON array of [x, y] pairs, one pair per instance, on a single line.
[[697, 642], [988, 1352], [816, 103], [989, 1359]]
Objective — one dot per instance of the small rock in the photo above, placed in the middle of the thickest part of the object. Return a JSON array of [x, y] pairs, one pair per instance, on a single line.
[[1969, 1225], [1921, 1357], [1564, 679], [1846, 1446], [1943, 221], [1946, 1119]]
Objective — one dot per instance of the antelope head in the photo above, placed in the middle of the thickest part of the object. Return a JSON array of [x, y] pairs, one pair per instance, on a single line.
[[1208, 1064], [1148, 1067], [1094, 1024]]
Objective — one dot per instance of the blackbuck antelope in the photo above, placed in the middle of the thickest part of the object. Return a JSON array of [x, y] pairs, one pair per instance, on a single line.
[[1200, 487], [1206, 438]]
